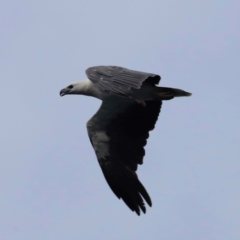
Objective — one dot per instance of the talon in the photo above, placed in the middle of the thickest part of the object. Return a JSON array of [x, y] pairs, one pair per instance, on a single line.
[[139, 101]]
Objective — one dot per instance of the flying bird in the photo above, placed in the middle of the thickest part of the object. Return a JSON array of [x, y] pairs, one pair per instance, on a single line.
[[131, 103]]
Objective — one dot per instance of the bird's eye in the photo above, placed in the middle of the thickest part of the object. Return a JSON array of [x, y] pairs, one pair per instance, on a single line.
[[70, 86]]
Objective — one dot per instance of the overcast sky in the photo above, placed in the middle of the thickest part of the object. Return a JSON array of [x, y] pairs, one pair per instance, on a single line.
[[51, 185]]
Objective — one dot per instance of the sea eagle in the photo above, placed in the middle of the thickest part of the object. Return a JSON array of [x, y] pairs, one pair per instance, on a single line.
[[118, 132]]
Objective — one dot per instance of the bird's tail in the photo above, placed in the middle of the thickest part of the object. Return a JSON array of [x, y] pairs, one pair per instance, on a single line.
[[165, 93]]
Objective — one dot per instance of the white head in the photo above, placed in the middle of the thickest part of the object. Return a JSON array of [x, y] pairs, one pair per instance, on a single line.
[[76, 88]]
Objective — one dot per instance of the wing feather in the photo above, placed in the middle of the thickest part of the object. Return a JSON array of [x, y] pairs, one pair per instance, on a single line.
[[119, 80], [118, 133]]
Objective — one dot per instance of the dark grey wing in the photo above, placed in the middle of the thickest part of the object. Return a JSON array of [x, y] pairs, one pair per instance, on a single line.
[[119, 146], [119, 80]]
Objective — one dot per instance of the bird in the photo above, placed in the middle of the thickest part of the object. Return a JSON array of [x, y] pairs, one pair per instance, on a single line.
[[118, 131]]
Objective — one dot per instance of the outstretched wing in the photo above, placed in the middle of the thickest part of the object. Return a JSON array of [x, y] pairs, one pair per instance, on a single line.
[[118, 133], [118, 80]]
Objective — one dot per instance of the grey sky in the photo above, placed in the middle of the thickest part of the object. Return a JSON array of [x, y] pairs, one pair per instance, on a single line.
[[50, 183]]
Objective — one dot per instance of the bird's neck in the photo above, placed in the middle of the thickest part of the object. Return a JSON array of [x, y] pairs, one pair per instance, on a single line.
[[87, 88]]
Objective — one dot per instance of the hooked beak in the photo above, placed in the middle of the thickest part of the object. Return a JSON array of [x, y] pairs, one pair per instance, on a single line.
[[64, 91]]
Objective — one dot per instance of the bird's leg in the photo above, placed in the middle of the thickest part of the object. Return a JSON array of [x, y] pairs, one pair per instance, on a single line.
[[140, 101]]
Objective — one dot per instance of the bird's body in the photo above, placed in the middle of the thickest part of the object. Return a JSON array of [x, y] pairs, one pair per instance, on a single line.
[[131, 103]]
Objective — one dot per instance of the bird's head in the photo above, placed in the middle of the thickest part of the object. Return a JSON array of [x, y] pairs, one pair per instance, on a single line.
[[74, 88]]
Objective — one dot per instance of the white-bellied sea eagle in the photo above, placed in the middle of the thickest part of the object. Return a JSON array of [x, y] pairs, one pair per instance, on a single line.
[[131, 103]]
